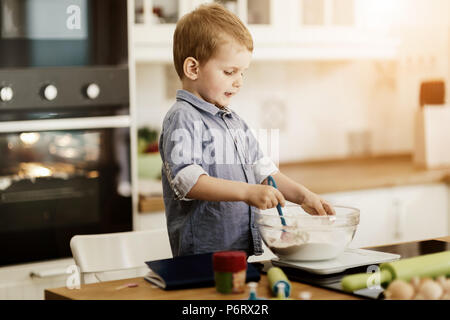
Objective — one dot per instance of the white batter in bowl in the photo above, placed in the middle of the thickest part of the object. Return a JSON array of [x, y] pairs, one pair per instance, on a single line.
[[306, 237]]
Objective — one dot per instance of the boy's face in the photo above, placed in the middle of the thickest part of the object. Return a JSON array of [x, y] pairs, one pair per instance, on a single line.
[[221, 77]]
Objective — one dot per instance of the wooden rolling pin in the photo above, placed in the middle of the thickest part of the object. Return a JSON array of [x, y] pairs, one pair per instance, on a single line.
[[430, 265]]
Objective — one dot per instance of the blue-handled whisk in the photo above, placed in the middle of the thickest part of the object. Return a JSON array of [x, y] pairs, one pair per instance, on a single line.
[[271, 182]]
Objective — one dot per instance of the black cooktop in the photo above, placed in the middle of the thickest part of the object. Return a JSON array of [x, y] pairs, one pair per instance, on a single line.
[[333, 281]]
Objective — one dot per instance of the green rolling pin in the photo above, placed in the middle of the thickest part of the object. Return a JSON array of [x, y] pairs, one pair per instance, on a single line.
[[430, 265], [277, 276]]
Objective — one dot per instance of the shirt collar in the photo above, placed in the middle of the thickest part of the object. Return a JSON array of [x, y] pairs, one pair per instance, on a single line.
[[200, 103]]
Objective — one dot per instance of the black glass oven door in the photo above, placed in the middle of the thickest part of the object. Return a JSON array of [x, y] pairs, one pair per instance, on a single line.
[[49, 33], [58, 183]]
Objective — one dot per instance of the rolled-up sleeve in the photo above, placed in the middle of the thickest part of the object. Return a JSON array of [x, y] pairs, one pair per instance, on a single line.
[[181, 152], [263, 168], [186, 178]]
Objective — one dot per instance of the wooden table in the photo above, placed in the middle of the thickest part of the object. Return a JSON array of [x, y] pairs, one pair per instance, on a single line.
[[146, 291]]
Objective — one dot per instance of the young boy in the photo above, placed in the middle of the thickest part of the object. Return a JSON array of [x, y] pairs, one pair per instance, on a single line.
[[214, 174]]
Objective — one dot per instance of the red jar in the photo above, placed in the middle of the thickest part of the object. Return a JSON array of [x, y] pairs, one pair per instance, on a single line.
[[230, 270]]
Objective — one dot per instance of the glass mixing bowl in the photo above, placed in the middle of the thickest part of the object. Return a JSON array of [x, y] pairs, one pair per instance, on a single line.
[[306, 237]]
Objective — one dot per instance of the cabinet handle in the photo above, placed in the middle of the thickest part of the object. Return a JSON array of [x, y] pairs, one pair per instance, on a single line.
[[49, 273]]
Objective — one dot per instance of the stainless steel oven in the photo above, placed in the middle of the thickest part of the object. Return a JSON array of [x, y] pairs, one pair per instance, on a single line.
[[64, 125]]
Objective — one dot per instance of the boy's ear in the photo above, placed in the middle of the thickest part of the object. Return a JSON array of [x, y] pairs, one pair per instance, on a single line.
[[190, 68]]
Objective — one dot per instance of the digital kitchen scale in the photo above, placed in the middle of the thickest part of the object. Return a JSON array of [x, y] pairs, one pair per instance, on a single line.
[[326, 274], [350, 258]]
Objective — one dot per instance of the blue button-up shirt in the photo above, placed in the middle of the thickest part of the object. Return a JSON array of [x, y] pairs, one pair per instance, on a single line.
[[199, 138]]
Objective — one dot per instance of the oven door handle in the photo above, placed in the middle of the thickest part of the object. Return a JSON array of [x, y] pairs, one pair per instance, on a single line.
[[122, 121]]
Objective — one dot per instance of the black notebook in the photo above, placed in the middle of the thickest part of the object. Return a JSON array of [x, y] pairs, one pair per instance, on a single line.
[[193, 271]]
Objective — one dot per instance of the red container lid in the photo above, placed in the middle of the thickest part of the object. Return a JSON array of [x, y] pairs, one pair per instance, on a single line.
[[229, 261]]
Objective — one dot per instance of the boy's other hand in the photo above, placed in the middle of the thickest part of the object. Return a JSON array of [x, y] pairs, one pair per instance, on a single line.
[[263, 196], [315, 205]]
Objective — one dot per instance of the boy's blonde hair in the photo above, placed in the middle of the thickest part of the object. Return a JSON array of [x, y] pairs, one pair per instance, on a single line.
[[199, 33]]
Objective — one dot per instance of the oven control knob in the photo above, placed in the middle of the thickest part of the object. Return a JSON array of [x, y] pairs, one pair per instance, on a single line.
[[6, 94], [92, 91], [50, 92]]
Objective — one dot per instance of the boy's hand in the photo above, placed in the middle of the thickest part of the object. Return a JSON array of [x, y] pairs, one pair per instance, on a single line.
[[263, 196], [315, 205]]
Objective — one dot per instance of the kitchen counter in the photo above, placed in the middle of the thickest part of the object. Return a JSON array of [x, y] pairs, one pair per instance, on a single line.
[[329, 176], [109, 291], [364, 173]]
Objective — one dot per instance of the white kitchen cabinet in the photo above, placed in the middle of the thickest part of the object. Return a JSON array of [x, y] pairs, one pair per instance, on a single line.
[[421, 212], [151, 29], [282, 29], [374, 227], [153, 37], [16, 282], [266, 21], [397, 214], [337, 29]]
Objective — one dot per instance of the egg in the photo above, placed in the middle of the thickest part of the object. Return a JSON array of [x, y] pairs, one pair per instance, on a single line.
[[445, 284], [399, 290], [424, 280], [430, 290]]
